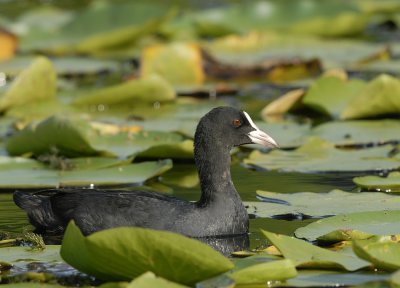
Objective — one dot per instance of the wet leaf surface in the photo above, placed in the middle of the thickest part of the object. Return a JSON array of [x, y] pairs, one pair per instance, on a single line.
[[391, 183], [361, 225], [317, 155], [306, 255], [335, 202]]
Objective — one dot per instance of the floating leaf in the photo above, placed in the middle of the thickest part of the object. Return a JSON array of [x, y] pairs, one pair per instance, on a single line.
[[383, 252], [318, 155], [352, 226], [20, 173], [306, 255], [335, 202], [37, 82], [125, 253], [9, 44], [283, 104], [380, 96], [390, 183], [260, 273], [146, 280], [179, 64], [358, 132], [21, 256], [151, 89], [330, 95]]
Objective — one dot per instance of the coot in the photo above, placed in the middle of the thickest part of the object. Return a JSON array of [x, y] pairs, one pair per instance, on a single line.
[[219, 211]]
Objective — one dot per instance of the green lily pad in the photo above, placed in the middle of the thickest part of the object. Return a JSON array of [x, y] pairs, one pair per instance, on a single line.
[[74, 137], [395, 278], [21, 173], [125, 253], [390, 183], [383, 252], [379, 97], [335, 202], [330, 95], [358, 132], [260, 273], [360, 225], [31, 285], [306, 255], [63, 66], [179, 64], [36, 83], [151, 89], [146, 280], [318, 155]]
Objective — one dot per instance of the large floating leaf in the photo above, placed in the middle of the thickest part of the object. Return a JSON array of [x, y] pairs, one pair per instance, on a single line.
[[261, 273], [335, 202], [389, 183], [23, 173], [383, 252], [151, 89], [381, 96], [352, 226], [318, 155], [125, 253], [179, 64], [304, 254], [21, 256], [330, 95], [358, 132], [36, 83]]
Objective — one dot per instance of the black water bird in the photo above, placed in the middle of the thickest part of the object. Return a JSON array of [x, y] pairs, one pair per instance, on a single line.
[[219, 211]]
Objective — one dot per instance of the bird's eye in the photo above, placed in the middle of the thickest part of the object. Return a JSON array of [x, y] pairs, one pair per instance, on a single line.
[[237, 122]]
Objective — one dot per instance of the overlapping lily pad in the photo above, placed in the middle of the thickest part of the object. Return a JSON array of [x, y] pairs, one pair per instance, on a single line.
[[318, 155], [134, 251], [20, 256], [391, 183], [74, 137], [383, 252], [306, 255], [352, 226], [335, 202]]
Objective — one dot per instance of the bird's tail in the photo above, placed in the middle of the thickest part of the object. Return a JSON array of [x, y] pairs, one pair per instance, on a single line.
[[40, 213]]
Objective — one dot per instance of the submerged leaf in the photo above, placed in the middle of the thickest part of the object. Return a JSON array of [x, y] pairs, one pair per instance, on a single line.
[[318, 155], [335, 202], [304, 254], [352, 226], [383, 252], [149, 89], [125, 253], [390, 183], [38, 82]]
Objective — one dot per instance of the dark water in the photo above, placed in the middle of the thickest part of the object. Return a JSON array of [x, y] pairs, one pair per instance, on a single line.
[[13, 219]]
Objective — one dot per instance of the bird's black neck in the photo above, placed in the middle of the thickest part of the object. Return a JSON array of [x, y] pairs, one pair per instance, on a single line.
[[213, 160]]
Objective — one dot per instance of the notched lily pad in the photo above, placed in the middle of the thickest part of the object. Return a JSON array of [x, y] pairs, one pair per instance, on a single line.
[[134, 251], [336, 202], [306, 255], [351, 226], [318, 155]]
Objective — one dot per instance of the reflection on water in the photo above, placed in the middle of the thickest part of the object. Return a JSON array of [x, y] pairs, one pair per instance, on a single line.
[[13, 219]]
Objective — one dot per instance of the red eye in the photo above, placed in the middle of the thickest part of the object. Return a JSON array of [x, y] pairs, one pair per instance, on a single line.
[[237, 122]]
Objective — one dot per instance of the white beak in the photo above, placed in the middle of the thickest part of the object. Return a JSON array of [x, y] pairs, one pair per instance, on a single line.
[[260, 137]]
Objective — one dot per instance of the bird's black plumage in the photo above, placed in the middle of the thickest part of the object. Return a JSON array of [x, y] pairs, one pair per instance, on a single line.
[[218, 212]]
